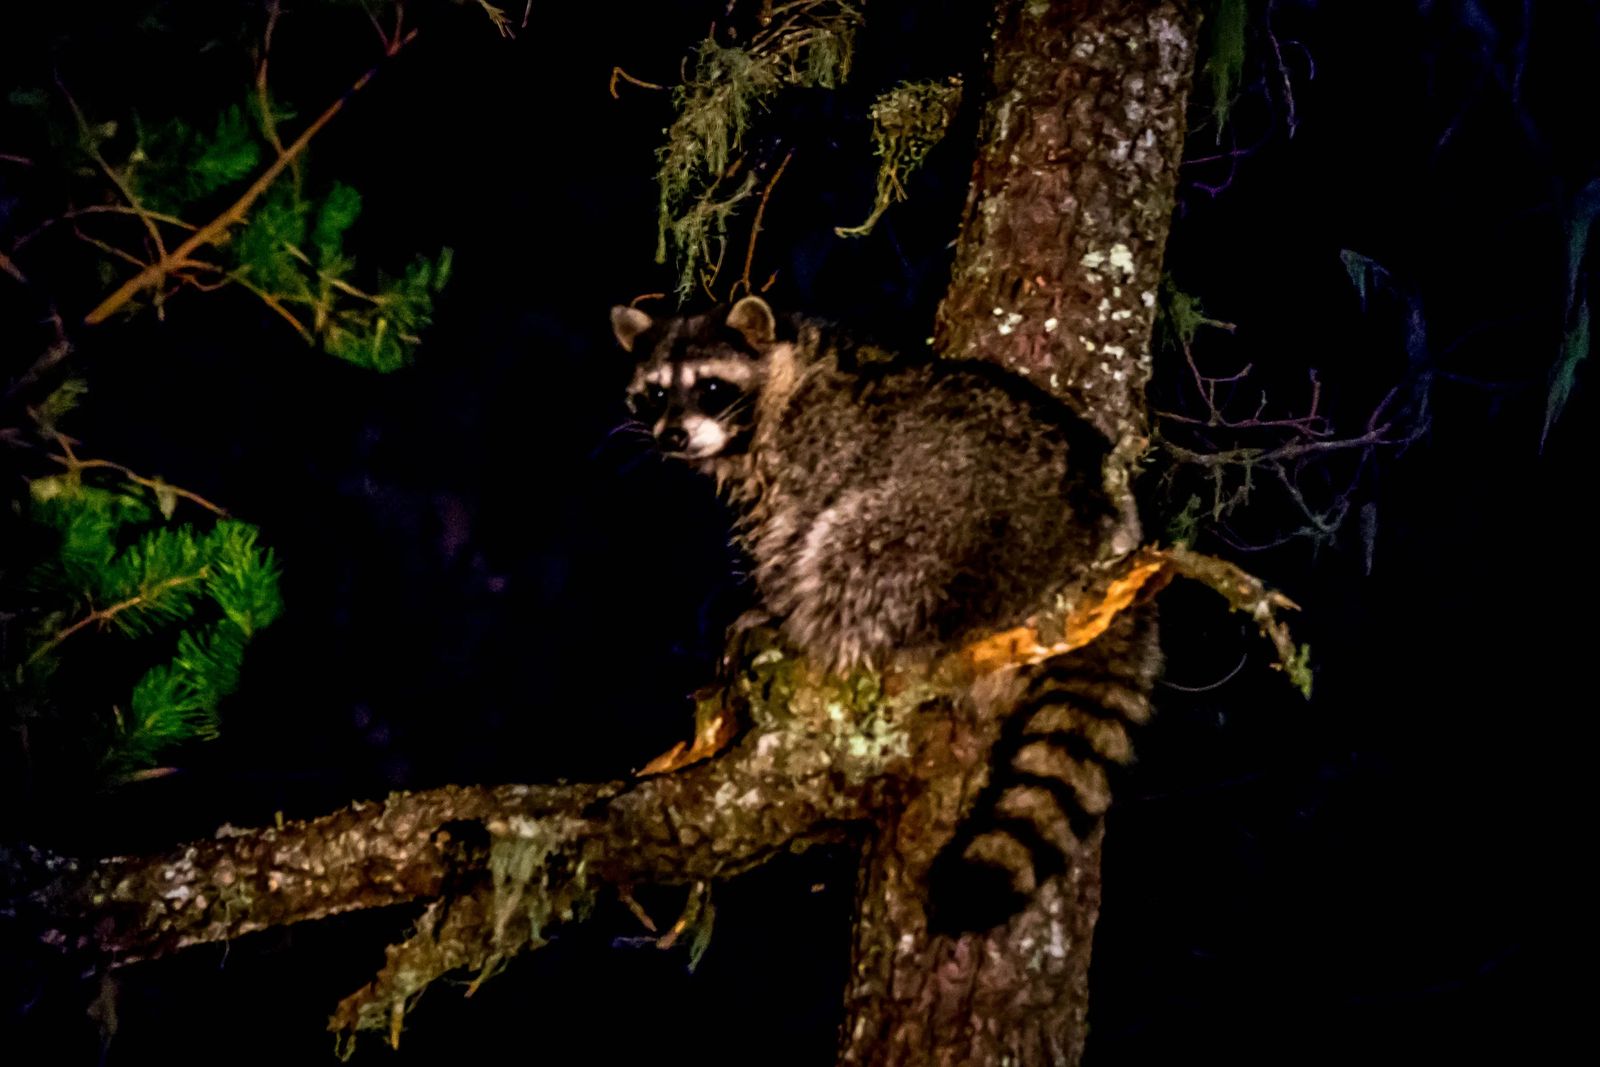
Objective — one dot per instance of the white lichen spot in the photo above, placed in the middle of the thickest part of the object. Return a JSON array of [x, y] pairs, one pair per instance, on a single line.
[[724, 795], [1120, 314], [1091, 260], [179, 893], [1050, 325], [1055, 380], [1117, 376], [999, 311], [1005, 329], [1058, 942], [1122, 258], [1088, 345], [908, 942], [1148, 298], [1116, 291], [1010, 324], [1116, 351], [525, 827], [752, 799]]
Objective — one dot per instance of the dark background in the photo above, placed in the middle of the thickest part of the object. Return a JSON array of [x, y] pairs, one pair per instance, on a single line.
[[483, 586]]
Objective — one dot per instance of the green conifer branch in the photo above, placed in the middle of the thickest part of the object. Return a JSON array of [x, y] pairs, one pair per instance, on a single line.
[[239, 210]]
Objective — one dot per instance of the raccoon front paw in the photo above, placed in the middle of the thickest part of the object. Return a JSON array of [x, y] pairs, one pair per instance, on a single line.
[[751, 632]]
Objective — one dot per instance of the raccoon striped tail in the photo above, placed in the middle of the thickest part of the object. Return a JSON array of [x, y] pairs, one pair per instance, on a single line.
[[1067, 727]]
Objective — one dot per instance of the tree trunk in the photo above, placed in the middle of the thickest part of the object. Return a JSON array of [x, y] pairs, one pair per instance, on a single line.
[[1056, 274]]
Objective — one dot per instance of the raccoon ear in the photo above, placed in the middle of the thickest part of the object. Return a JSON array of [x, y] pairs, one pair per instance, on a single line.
[[628, 323], [753, 318]]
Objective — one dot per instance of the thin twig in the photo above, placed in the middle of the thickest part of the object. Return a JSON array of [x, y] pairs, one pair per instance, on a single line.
[[104, 615], [755, 227], [276, 305], [52, 355], [8, 266], [372, 17], [108, 248], [269, 124], [618, 72], [88, 145], [156, 485], [100, 209]]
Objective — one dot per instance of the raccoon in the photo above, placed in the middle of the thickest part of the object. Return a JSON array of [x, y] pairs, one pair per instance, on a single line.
[[900, 506]]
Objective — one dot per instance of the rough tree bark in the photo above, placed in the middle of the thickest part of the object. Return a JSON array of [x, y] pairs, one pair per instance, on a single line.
[[1055, 277], [1056, 273]]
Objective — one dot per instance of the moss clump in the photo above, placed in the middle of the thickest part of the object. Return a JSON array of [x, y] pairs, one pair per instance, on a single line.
[[703, 177], [907, 121]]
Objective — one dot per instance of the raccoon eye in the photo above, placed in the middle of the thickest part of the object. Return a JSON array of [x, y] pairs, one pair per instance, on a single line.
[[648, 403], [716, 395]]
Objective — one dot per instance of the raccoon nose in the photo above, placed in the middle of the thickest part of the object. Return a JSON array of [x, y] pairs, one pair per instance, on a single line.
[[674, 439]]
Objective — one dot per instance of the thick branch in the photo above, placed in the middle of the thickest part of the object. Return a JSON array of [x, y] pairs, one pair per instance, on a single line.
[[777, 789]]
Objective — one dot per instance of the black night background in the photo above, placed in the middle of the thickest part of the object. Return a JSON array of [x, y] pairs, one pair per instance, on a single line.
[[483, 584]]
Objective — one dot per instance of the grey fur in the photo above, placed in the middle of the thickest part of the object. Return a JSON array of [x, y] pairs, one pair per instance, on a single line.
[[888, 504]]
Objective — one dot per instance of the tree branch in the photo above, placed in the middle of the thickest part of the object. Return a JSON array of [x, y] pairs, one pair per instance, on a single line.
[[236, 212], [711, 821]]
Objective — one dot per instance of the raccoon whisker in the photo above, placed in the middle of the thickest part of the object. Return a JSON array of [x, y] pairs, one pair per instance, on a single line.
[[631, 426], [1218, 684], [738, 407]]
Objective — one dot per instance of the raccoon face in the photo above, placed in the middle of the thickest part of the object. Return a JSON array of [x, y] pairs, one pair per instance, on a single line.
[[698, 377]]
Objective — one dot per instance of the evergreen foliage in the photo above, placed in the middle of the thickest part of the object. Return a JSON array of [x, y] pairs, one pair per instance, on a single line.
[[290, 250], [123, 624], [177, 165], [112, 563]]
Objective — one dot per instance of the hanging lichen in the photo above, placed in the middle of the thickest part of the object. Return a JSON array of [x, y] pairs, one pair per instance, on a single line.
[[907, 121], [805, 44]]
